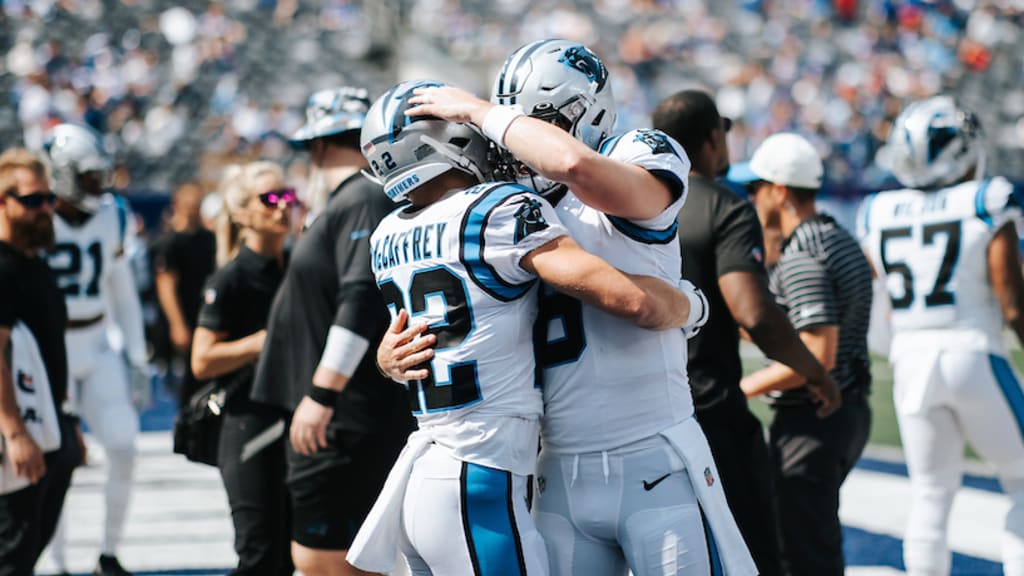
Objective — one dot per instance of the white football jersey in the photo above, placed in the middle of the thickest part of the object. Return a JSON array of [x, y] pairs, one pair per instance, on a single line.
[[455, 265], [607, 382], [931, 248], [83, 255]]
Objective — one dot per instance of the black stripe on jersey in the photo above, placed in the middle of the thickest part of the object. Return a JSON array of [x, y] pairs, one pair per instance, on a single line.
[[464, 512], [645, 235], [510, 501], [477, 268]]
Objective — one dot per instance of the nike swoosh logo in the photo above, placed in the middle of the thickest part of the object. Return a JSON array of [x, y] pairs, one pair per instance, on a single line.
[[650, 485]]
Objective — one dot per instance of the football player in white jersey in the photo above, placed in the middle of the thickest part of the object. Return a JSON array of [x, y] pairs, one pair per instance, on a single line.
[[88, 258], [947, 249], [626, 478], [465, 257]]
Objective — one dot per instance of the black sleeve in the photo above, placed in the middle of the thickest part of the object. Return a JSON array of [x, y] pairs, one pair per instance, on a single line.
[[739, 245], [359, 303], [217, 312], [8, 294], [167, 257]]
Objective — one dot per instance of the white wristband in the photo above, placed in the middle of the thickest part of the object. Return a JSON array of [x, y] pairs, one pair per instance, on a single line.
[[496, 123], [343, 351], [698, 305]]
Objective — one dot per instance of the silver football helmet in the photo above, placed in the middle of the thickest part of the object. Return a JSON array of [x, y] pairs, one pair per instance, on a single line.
[[331, 112], [80, 165], [561, 82], [935, 142], [406, 152]]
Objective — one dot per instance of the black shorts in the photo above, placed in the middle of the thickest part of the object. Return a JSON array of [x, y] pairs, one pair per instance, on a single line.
[[333, 490]]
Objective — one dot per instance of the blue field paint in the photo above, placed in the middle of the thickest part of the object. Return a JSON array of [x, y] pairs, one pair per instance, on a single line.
[[985, 483], [862, 548]]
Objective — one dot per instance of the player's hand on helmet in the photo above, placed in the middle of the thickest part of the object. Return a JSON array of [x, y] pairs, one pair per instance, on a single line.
[[448, 103], [825, 393], [404, 350], [308, 432], [26, 457]]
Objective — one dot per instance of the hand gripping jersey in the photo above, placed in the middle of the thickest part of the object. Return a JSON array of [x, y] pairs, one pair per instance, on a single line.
[[607, 382], [932, 248], [455, 265], [83, 258]]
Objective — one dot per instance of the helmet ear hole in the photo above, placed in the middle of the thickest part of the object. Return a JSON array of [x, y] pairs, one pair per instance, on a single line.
[[459, 142], [598, 118]]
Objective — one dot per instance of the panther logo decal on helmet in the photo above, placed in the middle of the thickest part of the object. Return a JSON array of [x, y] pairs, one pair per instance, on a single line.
[[582, 59]]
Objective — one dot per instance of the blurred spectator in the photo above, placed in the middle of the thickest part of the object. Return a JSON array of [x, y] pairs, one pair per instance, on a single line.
[[184, 259]]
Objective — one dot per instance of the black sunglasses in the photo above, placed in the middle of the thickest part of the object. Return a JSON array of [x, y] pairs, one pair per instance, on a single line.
[[273, 198], [35, 200], [726, 124]]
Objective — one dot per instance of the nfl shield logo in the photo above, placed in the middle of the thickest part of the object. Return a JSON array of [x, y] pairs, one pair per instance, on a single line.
[[708, 477]]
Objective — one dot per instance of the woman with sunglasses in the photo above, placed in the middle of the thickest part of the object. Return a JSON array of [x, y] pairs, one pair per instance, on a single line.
[[252, 230]]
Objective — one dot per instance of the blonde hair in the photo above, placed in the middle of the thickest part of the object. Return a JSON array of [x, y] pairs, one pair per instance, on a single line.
[[238, 188], [17, 158]]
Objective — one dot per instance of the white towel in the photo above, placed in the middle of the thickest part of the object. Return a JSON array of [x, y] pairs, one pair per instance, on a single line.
[[34, 399], [375, 547], [690, 443]]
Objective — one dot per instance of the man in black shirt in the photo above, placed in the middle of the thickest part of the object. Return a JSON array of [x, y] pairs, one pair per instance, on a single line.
[[723, 254], [29, 294], [184, 260], [823, 281], [349, 422]]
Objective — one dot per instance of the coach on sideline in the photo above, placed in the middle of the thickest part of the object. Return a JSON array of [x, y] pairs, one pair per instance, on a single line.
[[36, 460], [823, 281], [723, 254]]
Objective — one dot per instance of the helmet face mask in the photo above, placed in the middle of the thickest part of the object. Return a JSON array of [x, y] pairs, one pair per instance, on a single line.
[[406, 152], [935, 143], [561, 82], [80, 165]]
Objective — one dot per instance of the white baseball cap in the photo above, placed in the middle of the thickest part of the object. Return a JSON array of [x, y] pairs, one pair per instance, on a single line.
[[784, 158]]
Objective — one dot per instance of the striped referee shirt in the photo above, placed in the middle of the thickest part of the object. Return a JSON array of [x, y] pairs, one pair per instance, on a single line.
[[824, 279]]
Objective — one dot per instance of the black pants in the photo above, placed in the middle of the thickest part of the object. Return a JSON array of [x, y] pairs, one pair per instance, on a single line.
[[741, 454], [257, 493], [812, 458], [28, 517]]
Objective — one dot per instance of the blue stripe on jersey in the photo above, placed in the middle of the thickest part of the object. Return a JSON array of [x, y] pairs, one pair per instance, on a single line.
[[979, 204], [122, 216], [471, 249], [645, 235], [1010, 387], [865, 220], [608, 145], [489, 522], [714, 558]]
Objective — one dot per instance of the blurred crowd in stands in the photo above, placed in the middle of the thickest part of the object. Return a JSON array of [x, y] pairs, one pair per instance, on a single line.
[[181, 88]]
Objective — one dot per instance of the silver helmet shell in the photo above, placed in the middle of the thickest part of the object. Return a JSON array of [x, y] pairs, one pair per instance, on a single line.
[[563, 82], [407, 152], [332, 112], [934, 143], [74, 150]]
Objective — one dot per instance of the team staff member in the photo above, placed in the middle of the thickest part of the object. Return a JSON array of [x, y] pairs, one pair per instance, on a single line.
[[823, 281], [29, 294], [349, 422], [723, 254], [229, 338]]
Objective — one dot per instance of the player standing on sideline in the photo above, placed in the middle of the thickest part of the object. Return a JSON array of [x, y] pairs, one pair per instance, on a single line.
[[465, 255], [947, 247], [29, 296], [618, 426], [349, 422], [823, 281], [96, 279], [723, 251], [253, 226]]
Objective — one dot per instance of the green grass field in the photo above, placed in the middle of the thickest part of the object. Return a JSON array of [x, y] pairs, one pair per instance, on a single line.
[[884, 430]]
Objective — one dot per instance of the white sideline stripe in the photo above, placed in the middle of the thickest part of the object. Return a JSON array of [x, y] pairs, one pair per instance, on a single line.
[[880, 503]]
